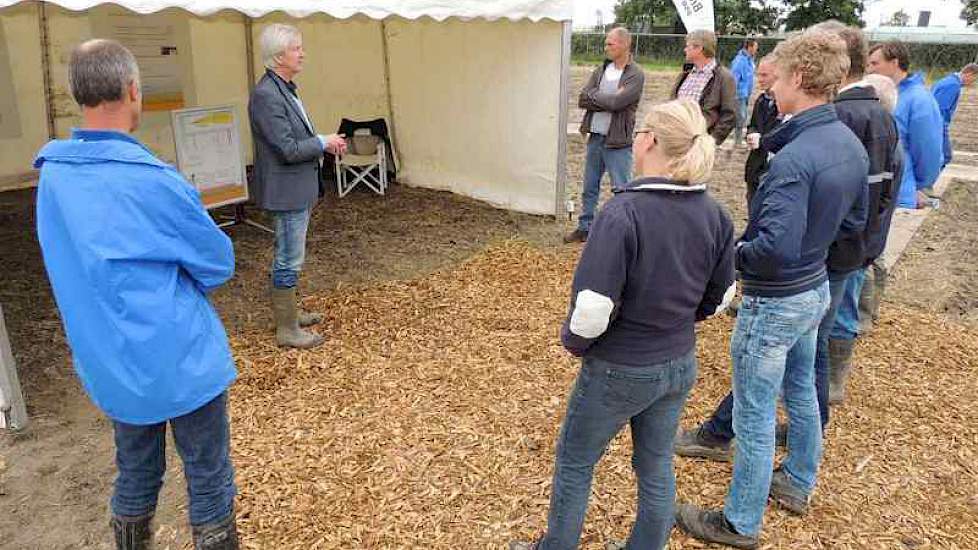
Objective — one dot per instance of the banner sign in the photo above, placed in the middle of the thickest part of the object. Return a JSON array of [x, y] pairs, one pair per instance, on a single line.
[[697, 15]]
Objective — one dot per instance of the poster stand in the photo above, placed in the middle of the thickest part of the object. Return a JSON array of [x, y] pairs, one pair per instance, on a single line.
[[209, 155]]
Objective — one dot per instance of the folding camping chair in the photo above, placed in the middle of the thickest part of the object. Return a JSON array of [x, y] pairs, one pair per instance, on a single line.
[[365, 162]]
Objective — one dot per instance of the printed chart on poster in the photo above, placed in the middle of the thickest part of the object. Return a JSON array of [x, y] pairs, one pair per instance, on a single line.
[[209, 154]]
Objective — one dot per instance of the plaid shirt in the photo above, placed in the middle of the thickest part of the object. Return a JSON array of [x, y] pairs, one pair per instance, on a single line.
[[696, 80]]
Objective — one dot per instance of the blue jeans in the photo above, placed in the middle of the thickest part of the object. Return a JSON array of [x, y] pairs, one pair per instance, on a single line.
[[605, 397], [846, 326], [203, 440], [743, 117], [600, 159], [773, 350], [290, 246], [721, 423]]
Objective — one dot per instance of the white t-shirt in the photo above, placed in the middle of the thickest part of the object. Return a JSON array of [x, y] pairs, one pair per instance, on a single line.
[[601, 120]]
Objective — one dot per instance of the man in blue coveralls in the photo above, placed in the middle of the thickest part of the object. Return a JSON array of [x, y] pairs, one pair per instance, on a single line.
[[131, 255], [947, 92]]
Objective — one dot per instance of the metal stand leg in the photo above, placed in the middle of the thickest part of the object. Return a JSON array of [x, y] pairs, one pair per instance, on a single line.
[[239, 217]]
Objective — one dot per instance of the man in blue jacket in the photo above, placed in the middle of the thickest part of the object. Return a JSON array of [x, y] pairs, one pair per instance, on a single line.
[[918, 119], [742, 69], [131, 255], [947, 92], [815, 187]]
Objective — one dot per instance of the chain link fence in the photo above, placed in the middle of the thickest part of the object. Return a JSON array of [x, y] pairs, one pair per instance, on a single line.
[[667, 49]]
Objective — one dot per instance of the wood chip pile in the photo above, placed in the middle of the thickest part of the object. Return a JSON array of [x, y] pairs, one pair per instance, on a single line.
[[429, 419]]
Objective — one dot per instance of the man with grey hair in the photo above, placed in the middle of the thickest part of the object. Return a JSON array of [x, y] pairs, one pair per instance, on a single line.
[[610, 99], [132, 254], [288, 176], [708, 83]]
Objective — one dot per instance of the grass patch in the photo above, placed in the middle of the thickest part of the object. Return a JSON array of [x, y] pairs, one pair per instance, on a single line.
[[647, 64]]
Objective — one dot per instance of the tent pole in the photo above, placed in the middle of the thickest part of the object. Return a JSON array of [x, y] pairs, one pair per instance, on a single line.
[[561, 183], [42, 16], [250, 51], [387, 84]]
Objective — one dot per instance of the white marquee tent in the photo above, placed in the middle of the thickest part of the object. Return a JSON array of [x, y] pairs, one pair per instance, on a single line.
[[475, 91]]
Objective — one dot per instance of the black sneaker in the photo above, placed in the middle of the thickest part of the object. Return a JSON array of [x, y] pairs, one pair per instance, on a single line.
[[576, 236], [711, 526], [700, 443], [788, 495]]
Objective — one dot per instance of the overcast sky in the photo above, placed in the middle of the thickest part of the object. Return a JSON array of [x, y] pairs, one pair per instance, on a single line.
[[584, 11]]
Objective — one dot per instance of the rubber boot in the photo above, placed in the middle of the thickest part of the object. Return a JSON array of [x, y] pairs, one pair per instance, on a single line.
[[309, 318], [132, 533], [840, 365], [880, 275], [220, 535], [287, 331], [867, 296]]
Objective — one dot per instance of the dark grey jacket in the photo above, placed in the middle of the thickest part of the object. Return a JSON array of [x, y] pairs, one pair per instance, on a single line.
[[622, 104], [288, 154]]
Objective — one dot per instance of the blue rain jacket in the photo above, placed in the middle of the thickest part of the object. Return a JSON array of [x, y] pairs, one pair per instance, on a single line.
[[131, 253], [742, 69], [922, 135], [947, 92]]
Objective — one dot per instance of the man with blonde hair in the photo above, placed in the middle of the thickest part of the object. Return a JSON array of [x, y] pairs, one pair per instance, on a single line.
[[857, 107], [288, 174], [609, 99], [816, 184], [709, 84]]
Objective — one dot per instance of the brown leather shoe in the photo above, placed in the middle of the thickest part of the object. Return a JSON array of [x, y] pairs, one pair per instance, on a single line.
[[576, 236]]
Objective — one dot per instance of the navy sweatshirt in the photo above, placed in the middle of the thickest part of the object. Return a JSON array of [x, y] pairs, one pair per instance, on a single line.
[[815, 187], [658, 259]]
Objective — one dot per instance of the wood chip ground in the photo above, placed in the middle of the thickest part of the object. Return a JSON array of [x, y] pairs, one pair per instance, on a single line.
[[429, 420]]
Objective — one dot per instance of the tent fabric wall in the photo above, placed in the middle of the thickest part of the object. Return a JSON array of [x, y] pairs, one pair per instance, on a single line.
[[21, 26], [534, 10], [476, 108]]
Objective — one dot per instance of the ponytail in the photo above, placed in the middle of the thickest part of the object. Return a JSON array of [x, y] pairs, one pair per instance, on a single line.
[[680, 130]]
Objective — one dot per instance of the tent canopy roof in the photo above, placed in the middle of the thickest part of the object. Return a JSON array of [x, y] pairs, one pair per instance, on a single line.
[[534, 10]]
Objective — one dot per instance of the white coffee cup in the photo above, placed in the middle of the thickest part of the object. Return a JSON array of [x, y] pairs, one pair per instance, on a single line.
[[753, 140]]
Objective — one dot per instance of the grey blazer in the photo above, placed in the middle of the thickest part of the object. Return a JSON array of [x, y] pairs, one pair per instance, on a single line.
[[288, 154]]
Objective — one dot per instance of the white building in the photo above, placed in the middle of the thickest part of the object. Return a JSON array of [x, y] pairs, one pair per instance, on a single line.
[[936, 16]]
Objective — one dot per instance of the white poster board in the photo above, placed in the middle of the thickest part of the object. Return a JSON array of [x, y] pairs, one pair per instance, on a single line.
[[209, 154]]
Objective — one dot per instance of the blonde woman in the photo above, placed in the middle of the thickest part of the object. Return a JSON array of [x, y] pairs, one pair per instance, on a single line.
[[659, 259]]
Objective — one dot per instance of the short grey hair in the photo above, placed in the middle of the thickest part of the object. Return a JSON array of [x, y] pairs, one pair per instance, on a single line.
[[99, 71], [885, 89], [623, 34], [275, 39]]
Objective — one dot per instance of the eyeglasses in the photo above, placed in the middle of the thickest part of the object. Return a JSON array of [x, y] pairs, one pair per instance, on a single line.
[[645, 131]]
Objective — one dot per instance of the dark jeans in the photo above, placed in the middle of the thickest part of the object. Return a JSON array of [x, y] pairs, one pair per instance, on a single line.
[[203, 440], [606, 396], [720, 425]]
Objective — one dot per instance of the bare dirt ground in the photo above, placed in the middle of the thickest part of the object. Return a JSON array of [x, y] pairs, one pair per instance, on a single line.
[[56, 478]]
